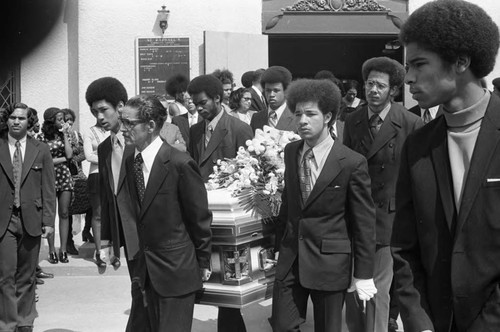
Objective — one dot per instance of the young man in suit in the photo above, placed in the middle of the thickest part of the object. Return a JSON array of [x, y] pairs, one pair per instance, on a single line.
[[170, 204], [378, 131], [105, 97], [446, 235], [326, 225], [27, 188], [221, 134], [186, 121], [275, 81]]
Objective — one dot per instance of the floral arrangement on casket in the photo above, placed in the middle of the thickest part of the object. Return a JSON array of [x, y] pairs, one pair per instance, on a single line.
[[256, 175]]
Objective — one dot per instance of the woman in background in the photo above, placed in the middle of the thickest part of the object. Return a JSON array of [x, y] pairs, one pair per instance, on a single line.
[[350, 101], [55, 133], [240, 101], [91, 140]]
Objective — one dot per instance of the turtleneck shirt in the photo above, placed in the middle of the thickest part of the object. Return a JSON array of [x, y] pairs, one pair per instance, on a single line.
[[462, 132]]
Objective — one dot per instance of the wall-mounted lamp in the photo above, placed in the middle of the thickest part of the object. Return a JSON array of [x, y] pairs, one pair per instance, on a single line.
[[163, 15]]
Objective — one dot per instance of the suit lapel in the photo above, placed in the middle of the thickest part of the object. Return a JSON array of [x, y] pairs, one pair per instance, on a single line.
[[487, 141], [158, 173], [292, 169], [218, 135], [362, 127], [286, 119], [5, 160], [330, 170], [389, 129], [129, 150], [196, 132], [29, 157], [442, 169]]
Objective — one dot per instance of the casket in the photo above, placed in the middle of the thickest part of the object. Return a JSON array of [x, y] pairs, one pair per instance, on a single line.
[[242, 255]]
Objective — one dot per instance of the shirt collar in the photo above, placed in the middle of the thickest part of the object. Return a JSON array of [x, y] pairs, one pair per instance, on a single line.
[[12, 140], [279, 110], [150, 152], [382, 114], [214, 121], [468, 115], [320, 150], [432, 110], [257, 91], [118, 136]]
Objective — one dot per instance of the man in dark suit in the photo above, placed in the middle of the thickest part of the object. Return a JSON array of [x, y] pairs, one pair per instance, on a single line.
[[326, 225], [446, 235], [221, 134], [275, 81], [256, 90], [171, 208], [105, 97], [27, 188], [378, 132]]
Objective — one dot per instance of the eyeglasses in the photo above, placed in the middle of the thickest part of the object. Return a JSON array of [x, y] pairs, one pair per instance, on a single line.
[[129, 124], [378, 85]]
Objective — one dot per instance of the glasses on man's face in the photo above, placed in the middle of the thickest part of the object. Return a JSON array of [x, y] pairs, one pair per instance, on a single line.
[[378, 85], [130, 124]]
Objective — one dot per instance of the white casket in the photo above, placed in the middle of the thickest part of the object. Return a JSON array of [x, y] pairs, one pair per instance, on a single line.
[[242, 254]]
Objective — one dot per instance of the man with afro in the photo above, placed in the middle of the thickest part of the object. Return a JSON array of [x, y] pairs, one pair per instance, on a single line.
[[326, 224], [106, 96], [378, 131], [446, 234], [275, 80]]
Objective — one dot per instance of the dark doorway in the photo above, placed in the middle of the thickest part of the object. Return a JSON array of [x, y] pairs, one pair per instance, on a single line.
[[305, 55]]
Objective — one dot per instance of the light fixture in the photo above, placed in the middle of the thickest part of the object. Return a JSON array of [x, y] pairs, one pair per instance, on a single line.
[[163, 15]]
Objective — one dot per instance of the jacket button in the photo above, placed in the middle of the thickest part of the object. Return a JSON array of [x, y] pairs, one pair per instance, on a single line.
[[380, 204], [301, 237], [391, 145]]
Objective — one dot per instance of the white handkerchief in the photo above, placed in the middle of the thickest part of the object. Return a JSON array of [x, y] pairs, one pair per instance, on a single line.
[[493, 180]]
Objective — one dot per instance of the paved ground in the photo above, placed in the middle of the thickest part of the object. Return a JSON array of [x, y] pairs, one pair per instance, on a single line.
[[83, 298]]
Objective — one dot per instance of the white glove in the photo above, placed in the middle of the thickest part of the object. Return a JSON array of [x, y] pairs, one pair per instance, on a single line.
[[365, 288]]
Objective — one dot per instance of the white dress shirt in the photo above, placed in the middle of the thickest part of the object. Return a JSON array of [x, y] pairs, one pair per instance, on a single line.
[[148, 156]]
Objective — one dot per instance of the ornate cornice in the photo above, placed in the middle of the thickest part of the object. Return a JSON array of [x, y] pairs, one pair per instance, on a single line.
[[336, 6]]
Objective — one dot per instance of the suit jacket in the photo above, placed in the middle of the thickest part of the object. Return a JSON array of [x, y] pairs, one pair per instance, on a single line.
[[117, 215], [334, 226], [383, 154], [182, 122], [446, 260], [285, 122], [257, 104], [173, 223], [38, 192], [229, 134]]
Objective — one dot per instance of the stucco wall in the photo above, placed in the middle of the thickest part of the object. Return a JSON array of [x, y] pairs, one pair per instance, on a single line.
[[106, 35]]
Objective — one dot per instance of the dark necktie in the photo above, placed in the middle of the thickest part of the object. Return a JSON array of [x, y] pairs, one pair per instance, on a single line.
[[375, 124], [305, 174], [139, 177], [427, 116], [17, 168]]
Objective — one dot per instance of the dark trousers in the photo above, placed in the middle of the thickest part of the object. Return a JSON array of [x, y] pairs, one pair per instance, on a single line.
[[138, 318], [290, 305], [18, 260], [169, 313], [230, 320]]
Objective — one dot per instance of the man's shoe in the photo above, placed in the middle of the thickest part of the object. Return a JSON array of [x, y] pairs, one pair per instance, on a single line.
[[115, 261], [71, 249], [39, 281], [44, 275], [393, 325]]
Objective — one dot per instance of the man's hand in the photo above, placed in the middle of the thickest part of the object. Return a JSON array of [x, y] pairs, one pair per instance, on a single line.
[[46, 230], [205, 274], [365, 288]]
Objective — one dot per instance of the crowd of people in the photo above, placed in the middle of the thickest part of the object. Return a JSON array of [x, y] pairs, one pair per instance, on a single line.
[[385, 211]]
